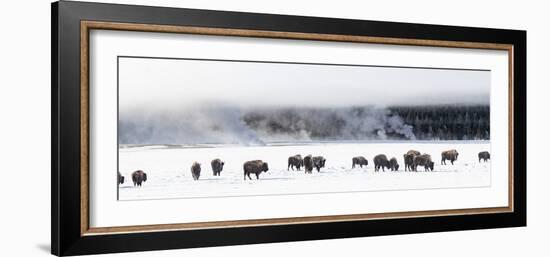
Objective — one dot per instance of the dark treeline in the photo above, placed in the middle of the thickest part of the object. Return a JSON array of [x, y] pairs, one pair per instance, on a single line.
[[364, 123], [447, 122], [257, 126]]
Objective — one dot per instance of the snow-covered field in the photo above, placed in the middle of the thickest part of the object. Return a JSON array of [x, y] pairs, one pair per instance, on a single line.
[[169, 175]]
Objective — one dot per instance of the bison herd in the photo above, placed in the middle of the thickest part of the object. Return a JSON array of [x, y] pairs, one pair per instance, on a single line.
[[309, 162], [412, 159]]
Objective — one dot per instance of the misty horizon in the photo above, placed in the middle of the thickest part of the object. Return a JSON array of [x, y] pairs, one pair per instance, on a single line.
[[173, 83], [178, 101], [261, 126]]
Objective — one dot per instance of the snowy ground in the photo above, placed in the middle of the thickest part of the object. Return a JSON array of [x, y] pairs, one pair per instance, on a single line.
[[169, 175]]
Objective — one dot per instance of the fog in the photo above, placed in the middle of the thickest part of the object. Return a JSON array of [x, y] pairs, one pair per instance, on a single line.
[[165, 83], [189, 102], [231, 125]]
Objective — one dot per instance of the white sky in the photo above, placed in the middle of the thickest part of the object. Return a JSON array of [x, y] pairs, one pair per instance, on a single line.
[[162, 83]]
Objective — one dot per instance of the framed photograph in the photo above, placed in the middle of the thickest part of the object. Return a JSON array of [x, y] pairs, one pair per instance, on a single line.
[[225, 128]]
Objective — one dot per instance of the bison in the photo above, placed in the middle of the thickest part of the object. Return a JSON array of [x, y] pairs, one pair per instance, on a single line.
[[381, 161], [217, 166], [256, 167], [319, 162], [408, 159], [196, 170], [139, 177], [308, 163], [359, 160], [414, 152], [120, 178], [295, 161], [451, 155], [423, 160], [394, 166], [484, 156]]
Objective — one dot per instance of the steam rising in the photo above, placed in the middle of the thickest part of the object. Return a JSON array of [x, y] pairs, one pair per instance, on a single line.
[[183, 101], [234, 125], [193, 126]]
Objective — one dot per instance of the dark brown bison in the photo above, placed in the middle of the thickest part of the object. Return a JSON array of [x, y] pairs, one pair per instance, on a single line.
[[319, 162], [394, 166], [256, 167], [295, 161], [381, 161], [196, 170], [423, 160], [413, 152], [139, 177], [308, 163], [451, 155], [408, 159], [359, 160], [120, 178], [484, 156], [217, 166]]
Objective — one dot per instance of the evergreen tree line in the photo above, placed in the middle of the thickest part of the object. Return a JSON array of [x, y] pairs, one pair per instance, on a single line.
[[364, 123], [447, 122]]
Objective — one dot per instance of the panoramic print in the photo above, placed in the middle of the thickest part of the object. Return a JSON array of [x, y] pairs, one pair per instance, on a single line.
[[194, 128]]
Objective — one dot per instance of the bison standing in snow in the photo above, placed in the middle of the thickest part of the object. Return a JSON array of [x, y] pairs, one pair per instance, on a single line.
[[120, 178], [308, 163], [394, 166], [319, 162], [217, 166], [295, 161], [451, 155], [484, 156], [139, 177], [381, 161], [423, 160], [256, 167], [408, 159], [413, 152], [359, 160], [196, 170]]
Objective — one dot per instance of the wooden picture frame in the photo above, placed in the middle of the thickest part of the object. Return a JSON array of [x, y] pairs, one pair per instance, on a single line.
[[71, 25]]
